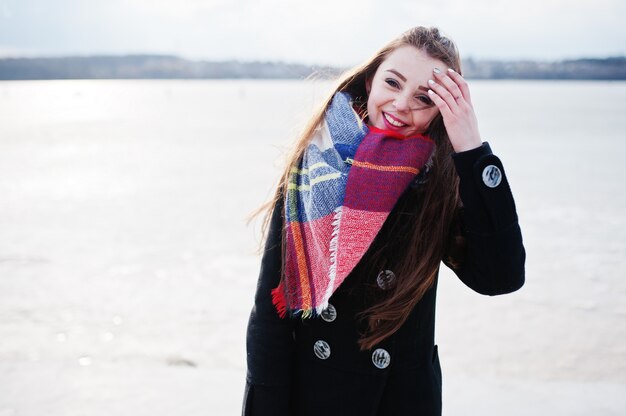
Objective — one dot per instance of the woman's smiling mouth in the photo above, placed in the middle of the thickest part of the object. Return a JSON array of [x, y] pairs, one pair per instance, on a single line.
[[394, 122]]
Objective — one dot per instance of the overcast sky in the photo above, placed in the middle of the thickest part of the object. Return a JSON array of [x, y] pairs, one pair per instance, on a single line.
[[334, 32]]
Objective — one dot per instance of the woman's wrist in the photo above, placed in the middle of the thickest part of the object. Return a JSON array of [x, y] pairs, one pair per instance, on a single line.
[[467, 145]]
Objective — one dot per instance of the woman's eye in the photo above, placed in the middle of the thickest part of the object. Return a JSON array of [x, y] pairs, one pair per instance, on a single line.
[[424, 99], [392, 82]]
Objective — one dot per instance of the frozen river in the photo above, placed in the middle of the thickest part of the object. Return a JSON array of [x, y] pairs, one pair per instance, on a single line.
[[127, 270]]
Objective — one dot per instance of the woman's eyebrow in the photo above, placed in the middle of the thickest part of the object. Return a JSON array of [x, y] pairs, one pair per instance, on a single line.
[[403, 78], [399, 75]]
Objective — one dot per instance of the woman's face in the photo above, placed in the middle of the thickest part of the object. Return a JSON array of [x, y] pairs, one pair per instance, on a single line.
[[398, 97]]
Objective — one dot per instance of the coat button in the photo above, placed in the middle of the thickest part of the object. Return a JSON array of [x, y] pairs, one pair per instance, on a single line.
[[381, 358], [492, 176], [386, 279], [329, 314], [321, 349]]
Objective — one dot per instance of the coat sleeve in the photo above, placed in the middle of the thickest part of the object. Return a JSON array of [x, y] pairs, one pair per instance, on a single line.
[[485, 249], [270, 339]]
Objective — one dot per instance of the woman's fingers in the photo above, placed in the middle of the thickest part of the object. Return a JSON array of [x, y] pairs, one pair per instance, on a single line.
[[442, 105], [453, 77], [454, 84], [450, 85], [443, 93], [450, 93]]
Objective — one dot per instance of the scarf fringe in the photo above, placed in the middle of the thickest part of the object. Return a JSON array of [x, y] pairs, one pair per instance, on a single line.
[[279, 301], [334, 249]]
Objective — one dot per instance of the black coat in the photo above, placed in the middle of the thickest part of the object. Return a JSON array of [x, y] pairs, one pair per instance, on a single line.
[[314, 366]]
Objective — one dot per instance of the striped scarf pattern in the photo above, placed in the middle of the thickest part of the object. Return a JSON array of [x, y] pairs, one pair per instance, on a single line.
[[338, 197]]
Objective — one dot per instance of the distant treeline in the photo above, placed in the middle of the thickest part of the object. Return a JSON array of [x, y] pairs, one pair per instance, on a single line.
[[149, 67], [172, 67], [588, 68]]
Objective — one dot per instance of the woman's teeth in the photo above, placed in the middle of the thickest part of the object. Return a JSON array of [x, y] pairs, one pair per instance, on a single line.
[[393, 122]]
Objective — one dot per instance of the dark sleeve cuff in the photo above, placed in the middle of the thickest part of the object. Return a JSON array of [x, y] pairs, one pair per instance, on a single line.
[[464, 161], [488, 204]]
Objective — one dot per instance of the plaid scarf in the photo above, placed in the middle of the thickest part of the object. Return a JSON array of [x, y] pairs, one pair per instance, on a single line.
[[338, 197]]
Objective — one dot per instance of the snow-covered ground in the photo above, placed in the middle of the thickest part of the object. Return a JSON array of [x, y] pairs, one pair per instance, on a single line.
[[127, 269]]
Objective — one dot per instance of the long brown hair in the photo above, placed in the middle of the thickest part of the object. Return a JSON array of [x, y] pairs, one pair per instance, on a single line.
[[439, 198]]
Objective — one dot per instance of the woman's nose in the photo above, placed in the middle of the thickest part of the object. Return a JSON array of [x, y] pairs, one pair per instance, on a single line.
[[401, 103]]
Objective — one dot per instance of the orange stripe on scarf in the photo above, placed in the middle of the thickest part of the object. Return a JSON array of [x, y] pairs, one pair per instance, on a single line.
[[408, 169], [302, 269]]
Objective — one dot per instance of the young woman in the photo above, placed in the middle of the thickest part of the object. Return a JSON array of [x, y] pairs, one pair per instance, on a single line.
[[389, 179]]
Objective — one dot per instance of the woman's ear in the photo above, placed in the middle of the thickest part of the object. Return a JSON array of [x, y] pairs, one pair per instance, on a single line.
[[368, 85]]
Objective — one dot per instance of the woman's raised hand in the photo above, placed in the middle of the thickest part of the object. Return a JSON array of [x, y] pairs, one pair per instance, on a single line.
[[450, 93]]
